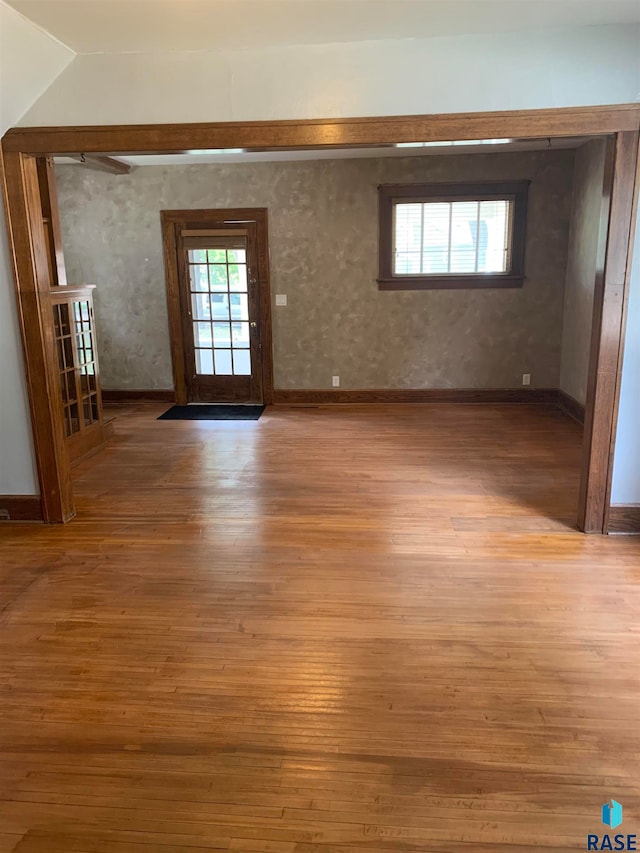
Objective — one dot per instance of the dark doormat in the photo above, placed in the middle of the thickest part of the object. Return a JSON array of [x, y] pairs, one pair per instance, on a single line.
[[212, 412]]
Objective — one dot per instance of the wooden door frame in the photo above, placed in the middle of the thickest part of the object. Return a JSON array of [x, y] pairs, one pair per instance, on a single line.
[[27, 241], [171, 218]]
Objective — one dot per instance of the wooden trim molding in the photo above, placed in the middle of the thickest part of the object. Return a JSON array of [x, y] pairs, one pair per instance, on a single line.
[[322, 133], [51, 221], [624, 518], [570, 406], [29, 250], [103, 164], [21, 508], [611, 287], [64, 294], [483, 281], [116, 396], [308, 396], [623, 325]]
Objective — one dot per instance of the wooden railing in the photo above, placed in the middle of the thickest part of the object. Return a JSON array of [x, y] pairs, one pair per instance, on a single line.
[[81, 399]]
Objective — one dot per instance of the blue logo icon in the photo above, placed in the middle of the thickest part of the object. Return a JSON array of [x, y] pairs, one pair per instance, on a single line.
[[612, 814]]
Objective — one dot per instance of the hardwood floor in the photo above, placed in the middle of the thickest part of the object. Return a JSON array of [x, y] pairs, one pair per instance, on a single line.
[[333, 630]]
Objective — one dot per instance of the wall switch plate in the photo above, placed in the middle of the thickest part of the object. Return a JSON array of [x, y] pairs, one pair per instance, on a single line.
[[281, 299], [526, 379], [335, 381]]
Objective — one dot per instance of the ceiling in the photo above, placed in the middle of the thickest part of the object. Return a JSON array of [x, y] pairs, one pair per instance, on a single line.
[[224, 157], [118, 26]]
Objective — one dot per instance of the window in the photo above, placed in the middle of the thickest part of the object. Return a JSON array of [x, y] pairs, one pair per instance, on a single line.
[[452, 235]]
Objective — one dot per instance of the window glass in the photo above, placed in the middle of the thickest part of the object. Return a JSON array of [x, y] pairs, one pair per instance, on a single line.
[[452, 238]]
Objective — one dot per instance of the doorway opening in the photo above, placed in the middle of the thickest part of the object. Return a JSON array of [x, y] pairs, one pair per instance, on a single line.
[[218, 296], [23, 147]]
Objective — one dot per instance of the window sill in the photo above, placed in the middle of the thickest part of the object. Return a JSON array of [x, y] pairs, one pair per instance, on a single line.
[[450, 282]]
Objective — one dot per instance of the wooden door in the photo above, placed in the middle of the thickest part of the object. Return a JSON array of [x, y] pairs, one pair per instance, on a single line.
[[220, 312]]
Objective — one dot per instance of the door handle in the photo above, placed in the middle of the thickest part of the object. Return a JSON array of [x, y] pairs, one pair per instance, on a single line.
[[253, 324]]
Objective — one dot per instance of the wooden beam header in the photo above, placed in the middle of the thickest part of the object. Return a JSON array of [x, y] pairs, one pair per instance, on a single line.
[[100, 163], [320, 133]]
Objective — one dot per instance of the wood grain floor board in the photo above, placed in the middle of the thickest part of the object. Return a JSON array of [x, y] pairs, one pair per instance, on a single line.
[[356, 629]]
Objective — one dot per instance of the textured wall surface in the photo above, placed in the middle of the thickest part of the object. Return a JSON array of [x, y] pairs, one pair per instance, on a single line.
[[323, 241], [581, 268]]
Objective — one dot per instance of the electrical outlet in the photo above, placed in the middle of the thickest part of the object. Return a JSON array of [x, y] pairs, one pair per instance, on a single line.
[[526, 379], [335, 381]]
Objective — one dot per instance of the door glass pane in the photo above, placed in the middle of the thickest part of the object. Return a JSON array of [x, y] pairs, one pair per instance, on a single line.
[[239, 306], [202, 334], [199, 277], [223, 362], [72, 420], [242, 362], [221, 335], [217, 256], [237, 277], [237, 256], [200, 306], [197, 256], [220, 306], [87, 411], [240, 335], [204, 362], [218, 277]]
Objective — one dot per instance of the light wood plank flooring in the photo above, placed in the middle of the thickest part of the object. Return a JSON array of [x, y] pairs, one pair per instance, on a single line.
[[333, 630]]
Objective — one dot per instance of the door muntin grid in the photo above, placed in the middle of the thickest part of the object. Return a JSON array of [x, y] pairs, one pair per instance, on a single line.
[[219, 293], [86, 364], [73, 324], [67, 367]]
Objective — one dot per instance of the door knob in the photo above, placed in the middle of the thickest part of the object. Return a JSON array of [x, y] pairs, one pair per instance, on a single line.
[[253, 324]]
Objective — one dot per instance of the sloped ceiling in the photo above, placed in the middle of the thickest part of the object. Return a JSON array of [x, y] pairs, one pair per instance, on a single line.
[[30, 60], [116, 26]]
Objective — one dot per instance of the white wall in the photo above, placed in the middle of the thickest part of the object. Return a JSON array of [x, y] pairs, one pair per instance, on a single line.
[[626, 469], [29, 61], [592, 65], [17, 464]]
